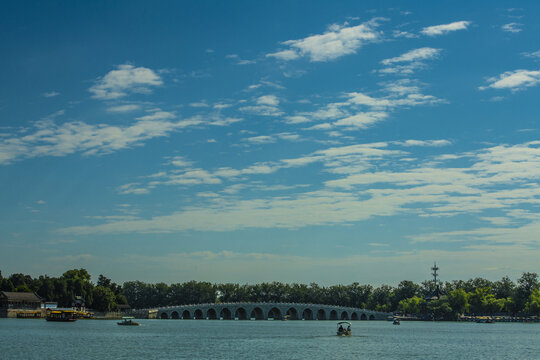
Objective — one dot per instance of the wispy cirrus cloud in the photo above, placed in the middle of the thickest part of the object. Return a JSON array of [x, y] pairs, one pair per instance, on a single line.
[[123, 80], [50, 94], [369, 180], [48, 138], [534, 54], [445, 28], [514, 80], [266, 139], [512, 27], [338, 41], [266, 105], [358, 110], [410, 61], [123, 108]]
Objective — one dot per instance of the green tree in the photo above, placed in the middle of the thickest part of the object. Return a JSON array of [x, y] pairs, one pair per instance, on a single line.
[[527, 283], [477, 300], [532, 306], [411, 306], [104, 299], [441, 309], [381, 299], [405, 290], [458, 300], [503, 288]]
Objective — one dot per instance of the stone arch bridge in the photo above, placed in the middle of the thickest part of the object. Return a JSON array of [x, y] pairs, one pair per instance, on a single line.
[[268, 311]]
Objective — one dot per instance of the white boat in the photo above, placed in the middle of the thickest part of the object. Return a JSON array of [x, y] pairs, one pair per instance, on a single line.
[[344, 328], [128, 321]]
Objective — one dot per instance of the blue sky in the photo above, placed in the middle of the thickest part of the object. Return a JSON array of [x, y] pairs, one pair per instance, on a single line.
[[270, 141]]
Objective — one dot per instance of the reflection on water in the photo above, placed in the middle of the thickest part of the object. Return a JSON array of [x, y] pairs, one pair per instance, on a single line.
[[206, 339]]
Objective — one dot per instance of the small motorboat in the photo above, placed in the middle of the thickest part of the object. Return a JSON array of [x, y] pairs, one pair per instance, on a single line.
[[396, 321], [344, 328], [128, 321], [485, 320]]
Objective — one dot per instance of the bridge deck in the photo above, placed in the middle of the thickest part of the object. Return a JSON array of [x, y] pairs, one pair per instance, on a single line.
[[266, 311]]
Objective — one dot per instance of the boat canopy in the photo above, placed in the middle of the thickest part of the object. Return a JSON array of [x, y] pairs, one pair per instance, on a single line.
[[344, 322], [128, 317]]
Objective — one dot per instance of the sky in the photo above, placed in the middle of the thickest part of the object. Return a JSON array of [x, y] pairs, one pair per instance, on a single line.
[[251, 141]]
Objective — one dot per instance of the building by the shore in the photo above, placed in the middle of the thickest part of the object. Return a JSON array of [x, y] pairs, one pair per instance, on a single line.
[[20, 304]]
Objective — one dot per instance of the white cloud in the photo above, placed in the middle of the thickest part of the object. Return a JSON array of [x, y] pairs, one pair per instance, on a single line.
[[266, 105], [158, 114], [367, 182], [133, 188], [446, 28], [345, 113], [424, 53], [266, 139], [296, 119], [125, 79], [240, 61], [361, 120], [263, 110], [51, 139], [270, 100], [514, 80], [50, 94], [535, 54], [512, 27], [409, 62], [285, 55], [123, 108], [435, 143], [200, 104], [403, 34], [338, 41]]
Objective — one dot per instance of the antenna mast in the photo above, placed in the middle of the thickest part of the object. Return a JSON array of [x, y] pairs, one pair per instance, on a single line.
[[437, 292]]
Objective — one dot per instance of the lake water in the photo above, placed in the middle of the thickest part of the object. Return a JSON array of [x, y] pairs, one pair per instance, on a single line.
[[214, 339]]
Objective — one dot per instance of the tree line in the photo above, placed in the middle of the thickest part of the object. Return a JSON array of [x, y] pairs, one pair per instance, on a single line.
[[103, 296], [477, 296]]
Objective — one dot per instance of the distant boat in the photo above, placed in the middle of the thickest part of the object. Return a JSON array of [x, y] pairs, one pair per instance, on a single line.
[[128, 321], [485, 320], [65, 315], [396, 321], [344, 328]]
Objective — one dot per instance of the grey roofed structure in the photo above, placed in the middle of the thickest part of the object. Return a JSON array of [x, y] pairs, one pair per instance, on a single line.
[[19, 300]]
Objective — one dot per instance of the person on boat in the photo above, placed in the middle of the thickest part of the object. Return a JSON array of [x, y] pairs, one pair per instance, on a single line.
[[349, 328], [340, 328]]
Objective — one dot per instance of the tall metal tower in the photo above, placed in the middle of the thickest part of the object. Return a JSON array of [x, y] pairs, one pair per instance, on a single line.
[[437, 292]]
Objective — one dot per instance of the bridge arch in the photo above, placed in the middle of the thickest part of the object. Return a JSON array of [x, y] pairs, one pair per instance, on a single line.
[[198, 314], [257, 314], [292, 314], [307, 314], [264, 311], [211, 314], [240, 314], [225, 314], [274, 313]]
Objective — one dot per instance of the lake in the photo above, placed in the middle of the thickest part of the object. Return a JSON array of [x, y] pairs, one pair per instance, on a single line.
[[214, 339]]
